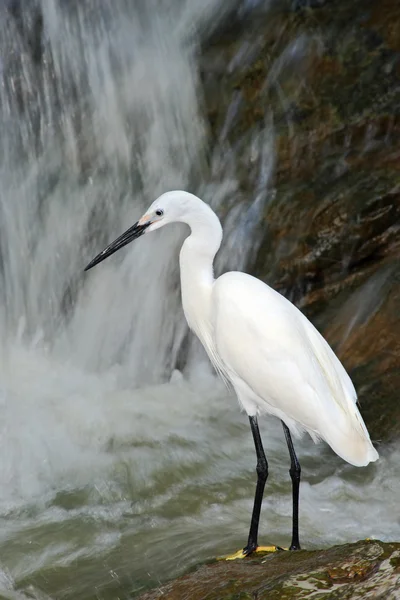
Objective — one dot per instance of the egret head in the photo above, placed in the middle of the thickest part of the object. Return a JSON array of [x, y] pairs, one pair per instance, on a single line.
[[171, 207], [168, 208]]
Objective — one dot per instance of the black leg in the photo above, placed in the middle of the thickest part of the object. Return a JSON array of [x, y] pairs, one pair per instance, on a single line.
[[295, 471], [262, 474]]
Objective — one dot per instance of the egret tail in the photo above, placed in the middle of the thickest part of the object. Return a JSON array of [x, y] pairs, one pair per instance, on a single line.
[[351, 441]]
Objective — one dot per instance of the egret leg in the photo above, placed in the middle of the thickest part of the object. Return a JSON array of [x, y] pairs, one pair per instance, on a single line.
[[295, 471], [262, 475]]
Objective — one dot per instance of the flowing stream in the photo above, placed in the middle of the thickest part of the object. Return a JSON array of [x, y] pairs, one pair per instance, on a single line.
[[123, 459]]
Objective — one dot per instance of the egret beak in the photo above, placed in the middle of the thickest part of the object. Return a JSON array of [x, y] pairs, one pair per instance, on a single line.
[[131, 234]]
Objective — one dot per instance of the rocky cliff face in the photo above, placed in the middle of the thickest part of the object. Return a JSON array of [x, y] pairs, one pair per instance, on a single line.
[[327, 78]]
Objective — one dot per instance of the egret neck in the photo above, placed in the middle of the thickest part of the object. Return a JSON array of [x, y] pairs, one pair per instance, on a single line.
[[197, 273]]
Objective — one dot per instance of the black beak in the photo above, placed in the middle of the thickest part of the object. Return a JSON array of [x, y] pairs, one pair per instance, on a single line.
[[131, 234]]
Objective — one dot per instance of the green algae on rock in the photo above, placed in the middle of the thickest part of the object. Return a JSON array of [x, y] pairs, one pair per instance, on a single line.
[[367, 569]]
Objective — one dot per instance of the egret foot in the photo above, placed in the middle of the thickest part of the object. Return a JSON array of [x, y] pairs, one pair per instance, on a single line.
[[295, 547], [246, 552]]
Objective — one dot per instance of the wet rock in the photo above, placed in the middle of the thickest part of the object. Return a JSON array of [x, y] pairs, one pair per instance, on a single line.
[[367, 569], [327, 78]]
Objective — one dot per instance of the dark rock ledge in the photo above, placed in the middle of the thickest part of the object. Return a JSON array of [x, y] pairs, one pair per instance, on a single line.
[[366, 569]]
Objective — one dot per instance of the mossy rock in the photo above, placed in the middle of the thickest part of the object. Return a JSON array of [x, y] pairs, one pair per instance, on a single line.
[[367, 569], [329, 73]]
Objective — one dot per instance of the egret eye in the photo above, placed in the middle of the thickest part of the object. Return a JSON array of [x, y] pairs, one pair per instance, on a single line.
[[159, 212]]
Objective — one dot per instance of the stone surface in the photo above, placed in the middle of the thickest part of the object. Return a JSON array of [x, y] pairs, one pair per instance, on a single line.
[[367, 569], [327, 77]]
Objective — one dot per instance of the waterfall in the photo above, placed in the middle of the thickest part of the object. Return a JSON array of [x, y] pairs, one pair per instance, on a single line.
[[100, 112]]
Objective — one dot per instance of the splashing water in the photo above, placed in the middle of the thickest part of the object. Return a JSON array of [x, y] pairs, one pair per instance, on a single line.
[[112, 478]]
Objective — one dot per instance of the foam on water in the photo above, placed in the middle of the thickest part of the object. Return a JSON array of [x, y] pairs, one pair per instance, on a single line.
[[93, 472]]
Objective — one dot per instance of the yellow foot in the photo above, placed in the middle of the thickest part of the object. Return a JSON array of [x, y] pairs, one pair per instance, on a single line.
[[261, 549]]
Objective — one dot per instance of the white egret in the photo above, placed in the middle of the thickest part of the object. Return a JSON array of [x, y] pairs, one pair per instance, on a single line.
[[260, 343]]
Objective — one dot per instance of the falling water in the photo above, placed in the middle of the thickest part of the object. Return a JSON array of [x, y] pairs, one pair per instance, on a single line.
[[116, 471]]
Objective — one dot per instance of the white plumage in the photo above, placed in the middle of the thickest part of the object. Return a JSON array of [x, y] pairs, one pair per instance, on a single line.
[[276, 360], [280, 364]]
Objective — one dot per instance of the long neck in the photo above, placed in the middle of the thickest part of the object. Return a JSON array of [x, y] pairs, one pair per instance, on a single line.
[[197, 274]]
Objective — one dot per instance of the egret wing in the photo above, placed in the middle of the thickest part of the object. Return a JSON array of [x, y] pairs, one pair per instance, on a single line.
[[264, 340]]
